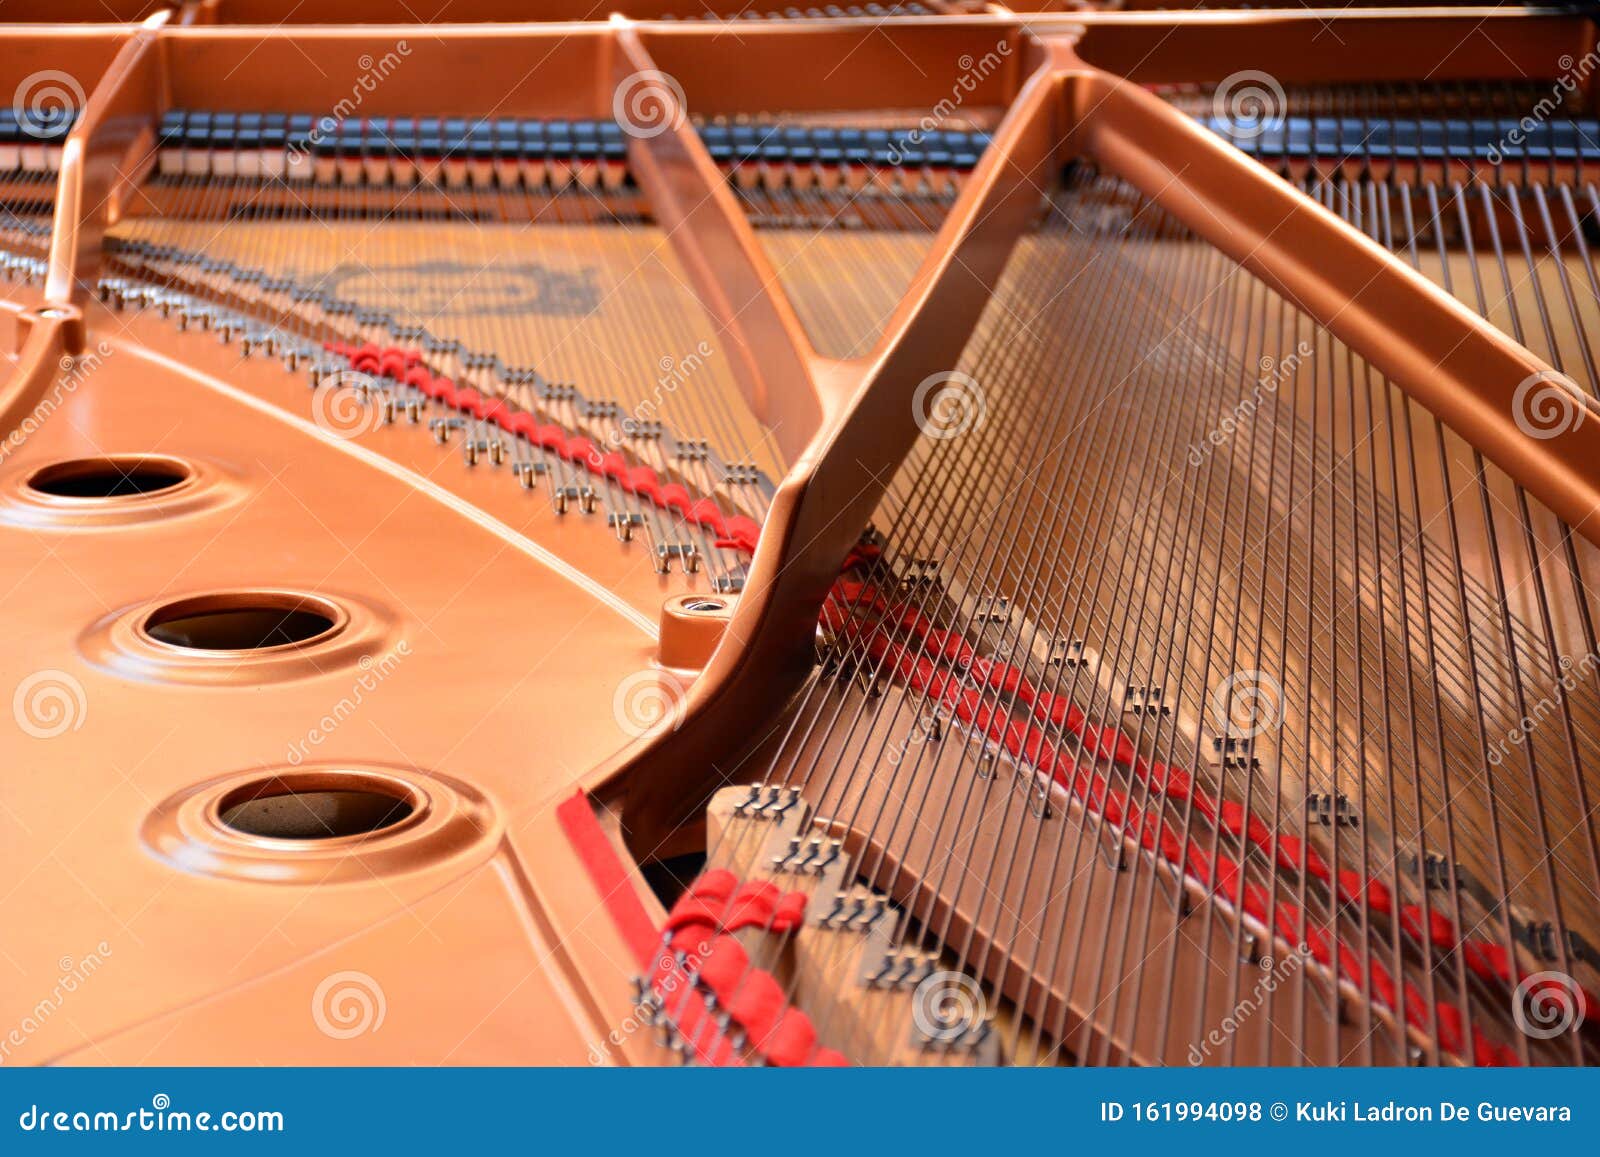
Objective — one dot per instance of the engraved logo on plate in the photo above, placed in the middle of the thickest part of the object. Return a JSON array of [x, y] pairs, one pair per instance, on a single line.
[[436, 289]]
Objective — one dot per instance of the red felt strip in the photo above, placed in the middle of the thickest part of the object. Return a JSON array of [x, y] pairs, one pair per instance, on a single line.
[[608, 876], [1219, 873], [622, 903], [734, 532]]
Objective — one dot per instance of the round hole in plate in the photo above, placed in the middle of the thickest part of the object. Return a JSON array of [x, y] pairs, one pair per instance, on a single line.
[[246, 621], [705, 606], [316, 824], [280, 810], [110, 476]]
